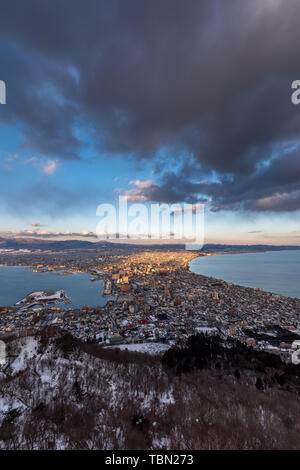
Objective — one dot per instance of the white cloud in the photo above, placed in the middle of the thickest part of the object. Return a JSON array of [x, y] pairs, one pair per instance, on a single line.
[[142, 184], [137, 194], [50, 167]]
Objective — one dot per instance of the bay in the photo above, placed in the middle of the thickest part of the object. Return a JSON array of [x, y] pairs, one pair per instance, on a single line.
[[272, 271], [17, 281]]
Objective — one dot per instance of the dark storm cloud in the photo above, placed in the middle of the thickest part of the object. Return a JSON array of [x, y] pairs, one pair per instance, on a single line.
[[211, 79], [273, 186], [34, 101]]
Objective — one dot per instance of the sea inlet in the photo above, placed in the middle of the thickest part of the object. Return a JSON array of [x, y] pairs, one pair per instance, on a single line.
[[16, 282]]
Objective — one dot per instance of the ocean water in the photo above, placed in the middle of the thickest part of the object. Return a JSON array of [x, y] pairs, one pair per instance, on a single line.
[[272, 271], [16, 282]]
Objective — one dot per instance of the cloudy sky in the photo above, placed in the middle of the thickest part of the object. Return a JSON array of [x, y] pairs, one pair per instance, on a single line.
[[161, 100]]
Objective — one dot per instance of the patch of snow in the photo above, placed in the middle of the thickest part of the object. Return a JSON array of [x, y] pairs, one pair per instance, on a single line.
[[206, 330], [148, 348], [36, 297], [28, 350], [167, 398]]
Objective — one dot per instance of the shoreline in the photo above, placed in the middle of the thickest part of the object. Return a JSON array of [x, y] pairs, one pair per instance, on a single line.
[[104, 276], [217, 279], [50, 272], [158, 298]]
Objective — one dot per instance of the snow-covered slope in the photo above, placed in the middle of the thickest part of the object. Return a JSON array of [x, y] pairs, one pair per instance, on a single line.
[[58, 394]]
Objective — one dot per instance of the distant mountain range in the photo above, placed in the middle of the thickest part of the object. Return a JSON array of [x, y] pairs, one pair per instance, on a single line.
[[58, 245], [42, 244]]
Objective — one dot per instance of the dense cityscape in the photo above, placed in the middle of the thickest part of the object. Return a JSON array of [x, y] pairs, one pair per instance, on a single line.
[[153, 297]]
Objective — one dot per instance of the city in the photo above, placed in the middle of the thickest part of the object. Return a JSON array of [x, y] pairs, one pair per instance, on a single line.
[[154, 297]]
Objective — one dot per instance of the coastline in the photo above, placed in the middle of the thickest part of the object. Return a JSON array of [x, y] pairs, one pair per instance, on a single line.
[[46, 280], [234, 282], [157, 298]]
